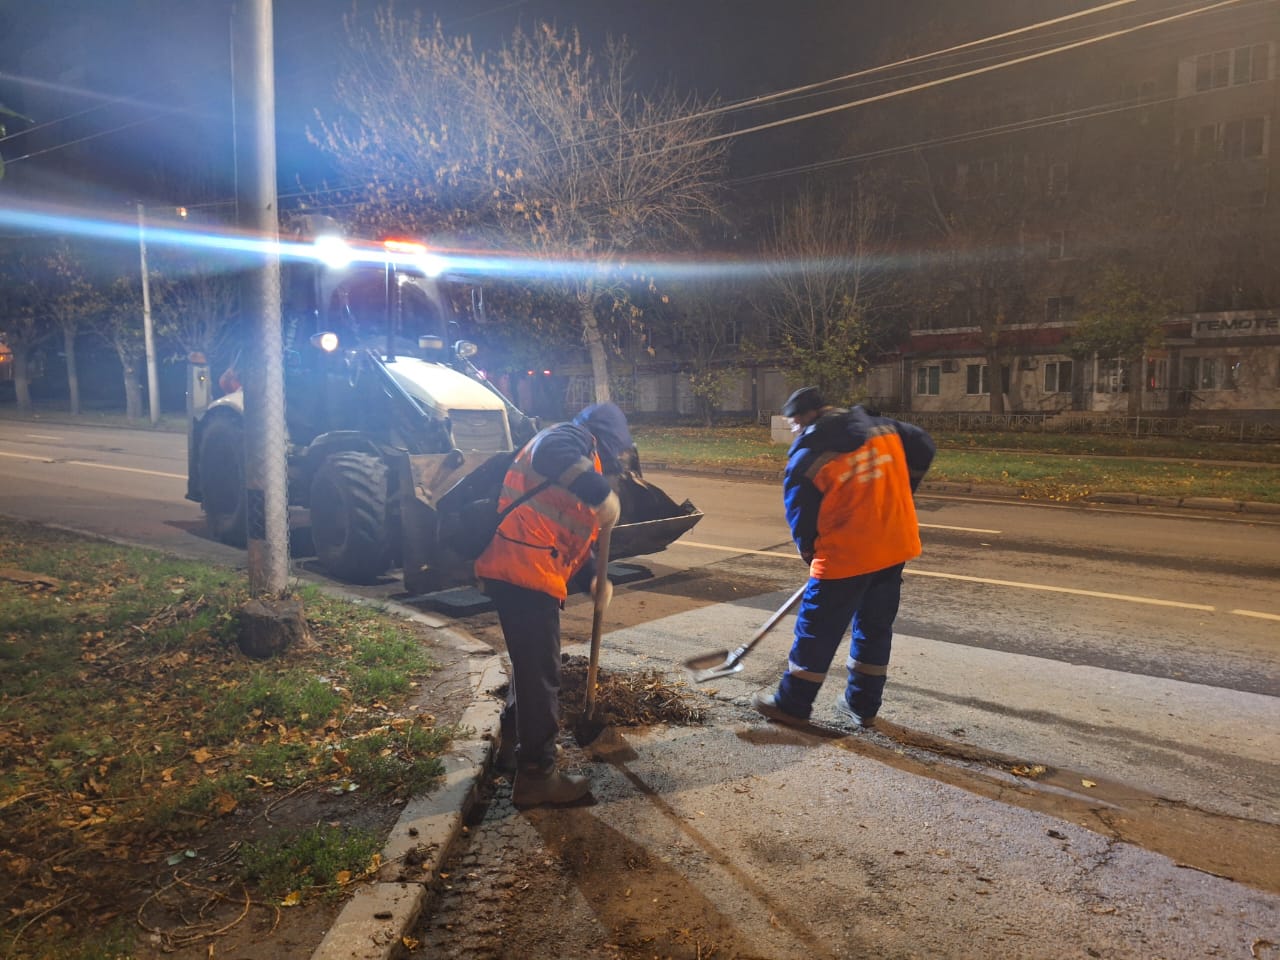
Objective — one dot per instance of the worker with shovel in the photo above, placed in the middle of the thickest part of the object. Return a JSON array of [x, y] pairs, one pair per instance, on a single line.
[[848, 492], [526, 569]]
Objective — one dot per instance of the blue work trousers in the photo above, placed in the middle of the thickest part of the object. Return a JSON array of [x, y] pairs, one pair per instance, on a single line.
[[869, 603], [531, 628]]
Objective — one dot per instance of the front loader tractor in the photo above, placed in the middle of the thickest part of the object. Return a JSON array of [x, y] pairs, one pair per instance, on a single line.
[[392, 431]]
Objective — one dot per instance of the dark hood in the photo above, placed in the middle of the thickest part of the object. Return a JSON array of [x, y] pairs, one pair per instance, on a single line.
[[608, 424], [839, 431]]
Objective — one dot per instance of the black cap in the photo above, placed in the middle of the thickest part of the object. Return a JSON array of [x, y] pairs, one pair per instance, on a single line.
[[803, 400]]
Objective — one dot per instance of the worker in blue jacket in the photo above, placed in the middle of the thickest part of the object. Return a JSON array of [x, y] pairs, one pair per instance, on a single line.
[[848, 495]]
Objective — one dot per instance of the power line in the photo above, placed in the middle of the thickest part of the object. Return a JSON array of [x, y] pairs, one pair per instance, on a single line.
[[906, 61], [1085, 113], [1048, 42], [806, 90], [963, 75], [986, 64], [291, 41]]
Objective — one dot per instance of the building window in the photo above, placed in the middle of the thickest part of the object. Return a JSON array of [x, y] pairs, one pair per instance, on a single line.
[[1210, 373], [1058, 245], [1243, 139], [1253, 138], [1059, 178], [1113, 375], [928, 381], [1232, 68], [1157, 374], [976, 381], [1057, 376], [1059, 309]]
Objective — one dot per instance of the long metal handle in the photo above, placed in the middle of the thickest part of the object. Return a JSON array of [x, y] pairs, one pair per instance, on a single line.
[[769, 624]]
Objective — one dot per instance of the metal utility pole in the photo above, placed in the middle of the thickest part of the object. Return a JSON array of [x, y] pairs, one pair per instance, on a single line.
[[148, 331], [265, 470]]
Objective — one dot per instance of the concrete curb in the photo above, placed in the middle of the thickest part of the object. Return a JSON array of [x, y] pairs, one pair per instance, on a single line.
[[372, 924]]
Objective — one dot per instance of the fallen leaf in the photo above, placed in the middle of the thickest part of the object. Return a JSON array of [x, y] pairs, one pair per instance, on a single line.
[[201, 755], [292, 899], [1087, 783], [1025, 770]]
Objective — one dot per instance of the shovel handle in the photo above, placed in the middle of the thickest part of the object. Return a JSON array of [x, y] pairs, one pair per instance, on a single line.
[[597, 617], [772, 622]]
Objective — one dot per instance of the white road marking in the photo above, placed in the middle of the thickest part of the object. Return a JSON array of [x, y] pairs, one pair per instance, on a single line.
[[758, 553], [1127, 598], [943, 526], [99, 466], [1017, 585], [41, 436]]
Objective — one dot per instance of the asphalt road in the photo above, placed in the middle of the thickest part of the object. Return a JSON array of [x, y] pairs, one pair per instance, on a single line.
[[1136, 654]]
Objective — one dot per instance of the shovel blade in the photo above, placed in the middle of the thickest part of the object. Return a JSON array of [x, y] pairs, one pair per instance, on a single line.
[[587, 730], [708, 660], [723, 668]]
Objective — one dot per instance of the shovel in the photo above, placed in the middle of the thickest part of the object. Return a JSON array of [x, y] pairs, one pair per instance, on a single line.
[[723, 663], [588, 728]]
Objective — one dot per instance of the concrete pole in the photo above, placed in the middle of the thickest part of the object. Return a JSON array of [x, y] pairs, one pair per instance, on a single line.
[[265, 469], [148, 330]]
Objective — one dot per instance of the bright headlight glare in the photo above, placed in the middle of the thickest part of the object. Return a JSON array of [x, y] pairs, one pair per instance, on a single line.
[[327, 341], [333, 252]]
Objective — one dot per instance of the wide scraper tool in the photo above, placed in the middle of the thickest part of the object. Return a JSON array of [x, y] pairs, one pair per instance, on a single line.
[[725, 663]]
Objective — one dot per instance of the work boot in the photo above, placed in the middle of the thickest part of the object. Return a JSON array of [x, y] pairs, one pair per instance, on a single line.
[[846, 712], [766, 704], [537, 788]]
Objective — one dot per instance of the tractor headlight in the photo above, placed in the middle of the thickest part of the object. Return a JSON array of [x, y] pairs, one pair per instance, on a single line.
[[333, 252]]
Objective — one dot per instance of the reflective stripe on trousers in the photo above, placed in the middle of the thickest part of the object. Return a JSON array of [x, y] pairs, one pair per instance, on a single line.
[[867, 603]]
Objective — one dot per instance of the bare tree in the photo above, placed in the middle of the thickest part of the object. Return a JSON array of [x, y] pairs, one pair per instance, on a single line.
[[542, 141], [195, 307], [822, 269], [22, 324], [71, 301], [118, 326], [701, 320], [977, 265]]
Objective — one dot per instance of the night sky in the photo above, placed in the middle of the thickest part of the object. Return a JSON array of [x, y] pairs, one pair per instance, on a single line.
[[158, 72]]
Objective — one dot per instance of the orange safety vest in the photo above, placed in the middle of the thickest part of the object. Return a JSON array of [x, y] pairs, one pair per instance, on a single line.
[[867, 520], [541, 543]]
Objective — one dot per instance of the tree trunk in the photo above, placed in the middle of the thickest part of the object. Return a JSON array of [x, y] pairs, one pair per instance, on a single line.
[[995, 382], [595, 344], [1137, 382], [132, 389], [22, 377], [73, 376]]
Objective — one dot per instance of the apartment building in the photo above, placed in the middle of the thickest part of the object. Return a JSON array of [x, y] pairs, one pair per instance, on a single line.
[[1157, 151]]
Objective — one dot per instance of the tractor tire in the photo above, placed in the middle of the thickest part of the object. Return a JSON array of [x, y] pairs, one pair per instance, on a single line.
[[350, 522], [222, 493]]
